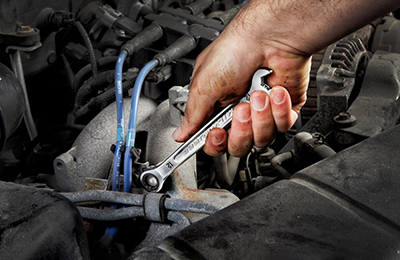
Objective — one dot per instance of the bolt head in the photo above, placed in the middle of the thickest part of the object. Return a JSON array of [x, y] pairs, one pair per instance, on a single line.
[[344, 119], [25, 30], [152, 181]]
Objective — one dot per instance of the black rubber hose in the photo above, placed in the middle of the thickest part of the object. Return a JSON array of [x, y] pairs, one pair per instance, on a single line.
[[150, 34], [276, 164], [89, 46], [130, 199], [190, 206], [91, 86], [321, 152], [178, 218], [111, 215], [127, 213], [101, 101], [114, 197], [178, 49], [68, 70], [82, 74]]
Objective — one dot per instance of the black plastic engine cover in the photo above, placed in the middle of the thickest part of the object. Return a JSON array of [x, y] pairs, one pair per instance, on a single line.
[[344, 207], [12, 104], [39, 224]]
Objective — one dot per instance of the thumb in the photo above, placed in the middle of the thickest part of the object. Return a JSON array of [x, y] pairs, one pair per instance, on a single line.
[[198, 109]]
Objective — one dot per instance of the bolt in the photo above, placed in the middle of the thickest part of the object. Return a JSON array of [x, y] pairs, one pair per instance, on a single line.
[[25, 29], [343, 116], [51, 57], [152, 181], [344, 119], [338, 82], [121, 32], [320, 138]]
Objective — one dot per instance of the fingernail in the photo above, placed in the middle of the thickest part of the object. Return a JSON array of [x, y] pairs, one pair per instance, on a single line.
[[177, 133], [217, 139], [278, 97], [259, 101], [243, 114]]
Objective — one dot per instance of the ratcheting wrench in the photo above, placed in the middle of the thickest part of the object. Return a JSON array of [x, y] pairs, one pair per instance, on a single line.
[[153, 179]]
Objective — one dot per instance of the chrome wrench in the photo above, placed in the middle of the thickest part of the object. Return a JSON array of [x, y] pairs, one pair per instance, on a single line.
[[153, 179]]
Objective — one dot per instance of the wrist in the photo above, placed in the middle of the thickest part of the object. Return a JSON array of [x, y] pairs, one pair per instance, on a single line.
[[260, 22]]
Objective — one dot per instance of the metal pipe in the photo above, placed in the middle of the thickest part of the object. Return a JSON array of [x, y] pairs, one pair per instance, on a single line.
[[233, 165], [19, 72], [221, 171]]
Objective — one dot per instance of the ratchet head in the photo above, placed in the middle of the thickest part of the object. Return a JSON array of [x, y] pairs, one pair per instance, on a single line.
[[152, 180]]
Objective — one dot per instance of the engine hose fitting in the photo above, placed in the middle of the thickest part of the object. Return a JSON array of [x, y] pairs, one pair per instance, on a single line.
[[150, 34], [311, 148], [180, 48], [51, 21]]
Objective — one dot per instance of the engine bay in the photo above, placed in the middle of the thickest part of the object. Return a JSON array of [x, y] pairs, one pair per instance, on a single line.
[[77, 78]]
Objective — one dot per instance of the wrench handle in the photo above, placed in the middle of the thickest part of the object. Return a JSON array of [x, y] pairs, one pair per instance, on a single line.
[[153, 179], [185, 151]]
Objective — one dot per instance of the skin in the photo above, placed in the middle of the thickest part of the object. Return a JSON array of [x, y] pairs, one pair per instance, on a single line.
[[281, 35]]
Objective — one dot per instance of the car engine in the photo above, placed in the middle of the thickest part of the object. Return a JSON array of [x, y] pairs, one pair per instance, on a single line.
[[78, 78]]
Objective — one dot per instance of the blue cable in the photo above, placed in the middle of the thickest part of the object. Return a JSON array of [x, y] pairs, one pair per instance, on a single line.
[[116, 173], [111, 231], [130, 141], [120, 122]]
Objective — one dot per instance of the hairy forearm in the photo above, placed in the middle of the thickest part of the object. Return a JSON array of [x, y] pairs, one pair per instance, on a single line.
[[309, 25]]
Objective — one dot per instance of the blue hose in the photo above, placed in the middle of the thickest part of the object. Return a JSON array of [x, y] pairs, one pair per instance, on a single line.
[[130, 141]]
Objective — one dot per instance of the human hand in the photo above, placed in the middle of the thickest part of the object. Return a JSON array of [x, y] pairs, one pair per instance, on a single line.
[[222, 75], [280, 35]]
